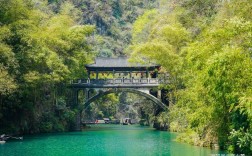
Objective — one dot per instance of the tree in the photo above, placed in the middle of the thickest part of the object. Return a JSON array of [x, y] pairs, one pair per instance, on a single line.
[[205, 48], [40, 50]]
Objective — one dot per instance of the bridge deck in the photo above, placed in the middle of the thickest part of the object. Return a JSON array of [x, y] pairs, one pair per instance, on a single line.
[[117, 83]]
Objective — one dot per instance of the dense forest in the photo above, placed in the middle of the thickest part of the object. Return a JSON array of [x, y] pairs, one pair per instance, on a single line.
[[204, 46], [44, 45]]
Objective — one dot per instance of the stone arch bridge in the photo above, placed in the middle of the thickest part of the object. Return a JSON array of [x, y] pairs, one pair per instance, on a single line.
[[110, 75]]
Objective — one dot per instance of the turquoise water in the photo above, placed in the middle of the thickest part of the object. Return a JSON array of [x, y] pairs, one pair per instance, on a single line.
[[103, 140]]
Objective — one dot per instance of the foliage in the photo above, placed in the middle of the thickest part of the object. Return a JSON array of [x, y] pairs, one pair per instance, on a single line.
[[40, 50], [242, 141], [7, 84], [113, 20], [206, 49], [203, 46], [105, 107]]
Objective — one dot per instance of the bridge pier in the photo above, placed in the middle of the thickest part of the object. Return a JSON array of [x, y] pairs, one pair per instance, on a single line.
[[75, 97], [78, 121], [77, 102], [74, 104]]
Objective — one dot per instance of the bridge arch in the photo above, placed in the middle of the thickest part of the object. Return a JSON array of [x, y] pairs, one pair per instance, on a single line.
[[129, 90]]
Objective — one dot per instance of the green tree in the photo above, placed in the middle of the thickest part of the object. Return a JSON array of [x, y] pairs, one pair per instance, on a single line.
[[205, 48], [40, 50]]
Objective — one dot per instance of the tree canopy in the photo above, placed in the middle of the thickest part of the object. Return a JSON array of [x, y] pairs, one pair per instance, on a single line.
[[204, 47]]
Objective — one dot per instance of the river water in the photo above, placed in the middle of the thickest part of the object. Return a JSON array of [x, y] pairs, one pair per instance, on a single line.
[[104, 140]]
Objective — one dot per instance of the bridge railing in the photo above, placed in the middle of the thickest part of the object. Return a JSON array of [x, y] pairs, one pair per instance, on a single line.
[[119, 81]]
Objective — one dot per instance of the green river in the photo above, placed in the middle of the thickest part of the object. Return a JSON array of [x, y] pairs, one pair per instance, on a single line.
[[104, 140]]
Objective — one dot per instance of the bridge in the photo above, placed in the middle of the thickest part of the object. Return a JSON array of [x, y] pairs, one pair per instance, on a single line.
[[111, 75]]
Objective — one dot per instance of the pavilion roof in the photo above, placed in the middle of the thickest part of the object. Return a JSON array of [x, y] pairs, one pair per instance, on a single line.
[[120, 63]]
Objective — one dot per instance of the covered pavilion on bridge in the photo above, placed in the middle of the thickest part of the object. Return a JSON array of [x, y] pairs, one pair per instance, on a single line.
[[121, 67]]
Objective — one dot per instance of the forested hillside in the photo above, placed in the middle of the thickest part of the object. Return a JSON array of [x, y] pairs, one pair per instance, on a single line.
[[205, 46], [40, 51], [44, 45], [113, 20]]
